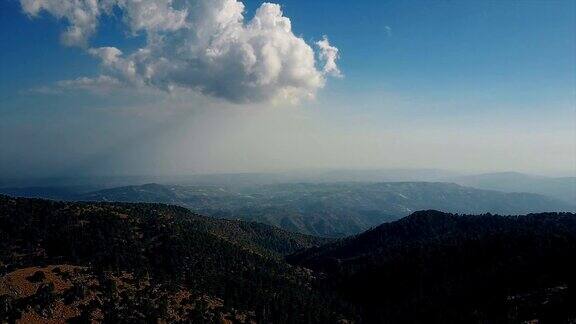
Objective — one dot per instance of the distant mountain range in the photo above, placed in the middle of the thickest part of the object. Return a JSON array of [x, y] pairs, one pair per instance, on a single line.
[[85, 262], [563, 188], [238, 179], [323, 209], [331, 209], [329, 203]]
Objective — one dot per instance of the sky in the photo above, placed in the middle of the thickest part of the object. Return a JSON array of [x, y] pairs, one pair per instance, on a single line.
[[162, 87]]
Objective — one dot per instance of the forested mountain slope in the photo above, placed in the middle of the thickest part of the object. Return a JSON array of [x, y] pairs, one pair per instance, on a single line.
[[443, 268], [117, 262]]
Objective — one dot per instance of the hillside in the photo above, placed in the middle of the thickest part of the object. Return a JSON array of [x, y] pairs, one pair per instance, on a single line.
[[115, 262], [331, 209], [444, 268]]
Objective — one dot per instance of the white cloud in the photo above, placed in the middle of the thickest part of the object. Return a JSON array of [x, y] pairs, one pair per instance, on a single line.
[[152, 15], [329, 54], [203, 45], [101, 83], [81, 15]]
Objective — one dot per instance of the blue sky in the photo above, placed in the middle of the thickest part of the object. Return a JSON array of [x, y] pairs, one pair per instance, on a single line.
[[476, 68]]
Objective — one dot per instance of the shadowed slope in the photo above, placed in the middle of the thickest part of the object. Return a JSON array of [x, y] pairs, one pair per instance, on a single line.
[[440, 267]]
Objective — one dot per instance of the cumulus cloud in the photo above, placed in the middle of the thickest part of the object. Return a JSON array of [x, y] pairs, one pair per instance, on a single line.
[[152, 15], [208, 46]]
